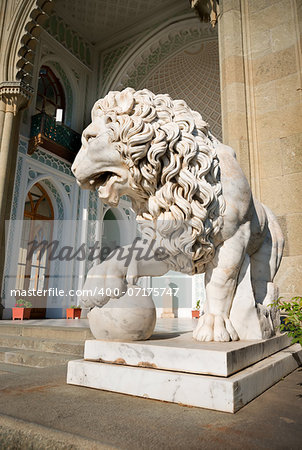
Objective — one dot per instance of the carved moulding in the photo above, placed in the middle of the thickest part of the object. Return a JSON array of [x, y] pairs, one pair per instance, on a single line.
[[21, 39]]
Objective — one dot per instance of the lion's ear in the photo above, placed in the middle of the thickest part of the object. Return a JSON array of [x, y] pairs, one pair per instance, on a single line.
[[125, 101]]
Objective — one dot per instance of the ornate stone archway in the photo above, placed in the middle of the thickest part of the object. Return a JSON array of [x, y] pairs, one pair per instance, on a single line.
[[21, 29], [21, 23]]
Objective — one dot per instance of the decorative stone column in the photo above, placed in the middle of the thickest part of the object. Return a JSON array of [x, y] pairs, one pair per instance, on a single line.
[[14, 98], [233, 82]]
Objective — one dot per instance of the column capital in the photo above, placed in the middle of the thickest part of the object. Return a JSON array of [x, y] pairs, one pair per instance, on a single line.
[[15, 95]]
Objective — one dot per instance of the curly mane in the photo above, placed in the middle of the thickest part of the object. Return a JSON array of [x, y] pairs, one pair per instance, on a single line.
[[175, 171]]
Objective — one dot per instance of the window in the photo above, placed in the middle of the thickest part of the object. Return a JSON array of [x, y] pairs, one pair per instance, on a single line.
[[50, 96]]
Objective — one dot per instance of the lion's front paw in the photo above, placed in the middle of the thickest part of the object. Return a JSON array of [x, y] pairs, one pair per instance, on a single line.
[[214, 328], [104, 281]]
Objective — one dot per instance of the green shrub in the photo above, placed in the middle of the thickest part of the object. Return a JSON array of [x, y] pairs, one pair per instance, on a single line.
[[292, 323]]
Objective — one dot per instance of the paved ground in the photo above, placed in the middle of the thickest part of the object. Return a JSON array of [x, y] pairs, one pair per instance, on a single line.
[[38, 410]]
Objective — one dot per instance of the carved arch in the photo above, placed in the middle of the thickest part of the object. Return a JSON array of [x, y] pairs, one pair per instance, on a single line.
[[21, 39], [162, 42]]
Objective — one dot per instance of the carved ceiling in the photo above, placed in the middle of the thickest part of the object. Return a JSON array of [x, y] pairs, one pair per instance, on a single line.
[[192, 75], [99, 21]]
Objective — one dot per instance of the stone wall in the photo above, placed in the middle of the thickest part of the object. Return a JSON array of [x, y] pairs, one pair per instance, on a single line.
[[260, 63]]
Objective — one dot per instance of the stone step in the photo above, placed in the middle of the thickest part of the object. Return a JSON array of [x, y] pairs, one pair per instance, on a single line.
[[42, 344], [16, 433], [6, 368], [31, 358], [61, 333]]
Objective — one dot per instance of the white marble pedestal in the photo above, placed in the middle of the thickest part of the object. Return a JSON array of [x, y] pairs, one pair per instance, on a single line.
[[175, 368]]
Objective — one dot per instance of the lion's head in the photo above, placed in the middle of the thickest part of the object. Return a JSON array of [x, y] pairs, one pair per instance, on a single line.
[[158, 152]]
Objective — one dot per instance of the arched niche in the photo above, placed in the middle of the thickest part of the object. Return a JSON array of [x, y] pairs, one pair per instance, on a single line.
[[117, 229], [153, 49], [111, 236], [179, 58]]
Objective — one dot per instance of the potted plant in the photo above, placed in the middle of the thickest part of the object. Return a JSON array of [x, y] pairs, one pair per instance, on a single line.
[[74, 312], [196, 310], [22, 309]]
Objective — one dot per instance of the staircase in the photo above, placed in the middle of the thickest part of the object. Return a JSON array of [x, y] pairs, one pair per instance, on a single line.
[[40, 346]]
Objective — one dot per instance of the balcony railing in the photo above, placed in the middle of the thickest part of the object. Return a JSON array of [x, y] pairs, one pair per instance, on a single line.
[[58, 139]]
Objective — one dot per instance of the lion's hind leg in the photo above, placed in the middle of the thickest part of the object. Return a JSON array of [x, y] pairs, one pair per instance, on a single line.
[[266, 261]]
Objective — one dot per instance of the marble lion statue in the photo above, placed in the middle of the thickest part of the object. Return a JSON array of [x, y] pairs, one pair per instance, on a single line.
[[192, 199]]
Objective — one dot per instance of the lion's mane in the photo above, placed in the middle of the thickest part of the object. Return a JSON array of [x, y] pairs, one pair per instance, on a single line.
[[175, 170]]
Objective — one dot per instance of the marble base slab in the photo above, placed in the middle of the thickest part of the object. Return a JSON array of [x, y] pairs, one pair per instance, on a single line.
[[180, 352], [212, 392]]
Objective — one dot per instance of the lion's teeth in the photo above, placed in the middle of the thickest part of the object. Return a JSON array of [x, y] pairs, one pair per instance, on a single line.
[[92, 182]]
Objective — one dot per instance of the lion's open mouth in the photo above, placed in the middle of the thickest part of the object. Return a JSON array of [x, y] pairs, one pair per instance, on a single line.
[[101, 179]]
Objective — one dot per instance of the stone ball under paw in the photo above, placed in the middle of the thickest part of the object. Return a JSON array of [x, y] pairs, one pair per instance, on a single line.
[[129, 318]]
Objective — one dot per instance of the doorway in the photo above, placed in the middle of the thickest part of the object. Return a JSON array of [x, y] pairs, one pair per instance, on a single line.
[[33, 262]]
